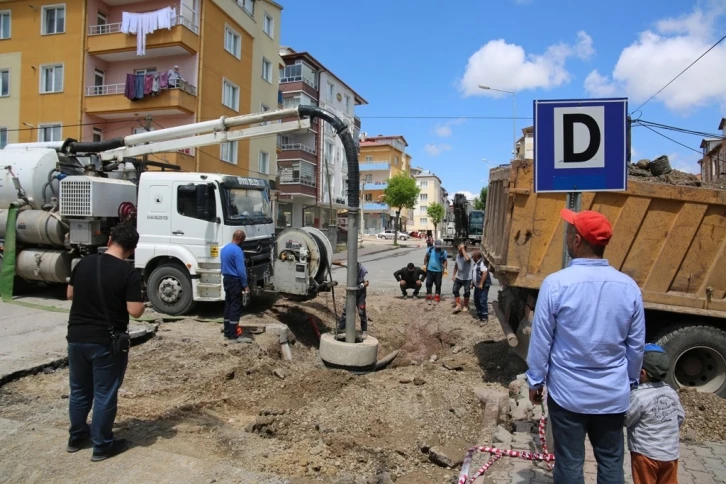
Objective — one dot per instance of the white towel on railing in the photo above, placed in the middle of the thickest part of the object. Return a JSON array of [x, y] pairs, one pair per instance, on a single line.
[[143, 24]]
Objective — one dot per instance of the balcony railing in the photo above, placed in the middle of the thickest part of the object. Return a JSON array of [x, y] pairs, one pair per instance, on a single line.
[[287, 178], [297, 147], [116, 27], [309, 82], [112, 89]]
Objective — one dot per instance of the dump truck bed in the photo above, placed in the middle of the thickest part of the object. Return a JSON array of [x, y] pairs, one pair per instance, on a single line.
[[670, 239]]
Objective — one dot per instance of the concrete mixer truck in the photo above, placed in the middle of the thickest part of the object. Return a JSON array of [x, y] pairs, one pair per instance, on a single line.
[[58, 202]]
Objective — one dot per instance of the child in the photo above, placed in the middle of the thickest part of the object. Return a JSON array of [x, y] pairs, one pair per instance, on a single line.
[[653, 421], [481, 281], [360, 300]]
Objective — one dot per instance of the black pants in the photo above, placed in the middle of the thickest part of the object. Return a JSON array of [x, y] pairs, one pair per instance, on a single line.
[[232, 305], [434, 278], [606, 436], [411, 285], [361, 303]]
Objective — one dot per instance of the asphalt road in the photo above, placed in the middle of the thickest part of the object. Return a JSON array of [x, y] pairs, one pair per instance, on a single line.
[[381, 267]]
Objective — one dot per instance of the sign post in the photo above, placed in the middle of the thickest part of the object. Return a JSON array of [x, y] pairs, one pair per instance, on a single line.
[[580, 146]]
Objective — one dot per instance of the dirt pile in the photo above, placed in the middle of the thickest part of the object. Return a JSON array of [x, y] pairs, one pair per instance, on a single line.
[[705, 416], [644, 170], [189, 393]]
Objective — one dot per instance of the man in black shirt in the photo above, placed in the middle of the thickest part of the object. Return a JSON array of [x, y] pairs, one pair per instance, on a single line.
[[410, 277], [95, 373]]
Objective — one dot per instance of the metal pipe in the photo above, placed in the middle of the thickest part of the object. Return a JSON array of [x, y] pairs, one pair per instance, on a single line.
[[351, 155], [506, 328]]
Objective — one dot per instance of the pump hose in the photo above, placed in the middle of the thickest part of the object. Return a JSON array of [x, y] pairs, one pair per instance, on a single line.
[[7, 273]]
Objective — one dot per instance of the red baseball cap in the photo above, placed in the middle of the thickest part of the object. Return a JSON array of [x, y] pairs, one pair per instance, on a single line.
[[592, 226]]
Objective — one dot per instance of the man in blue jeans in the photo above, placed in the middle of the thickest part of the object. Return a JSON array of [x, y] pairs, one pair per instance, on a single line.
[[234, 279], [588, 336], [482, 282], [95, 373]]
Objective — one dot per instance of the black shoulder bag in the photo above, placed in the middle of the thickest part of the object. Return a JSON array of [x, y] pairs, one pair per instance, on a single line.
[[120, 341]]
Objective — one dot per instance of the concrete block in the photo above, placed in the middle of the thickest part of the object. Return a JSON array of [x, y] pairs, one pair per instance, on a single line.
[[501, 436], [450, 455], [353, 355]]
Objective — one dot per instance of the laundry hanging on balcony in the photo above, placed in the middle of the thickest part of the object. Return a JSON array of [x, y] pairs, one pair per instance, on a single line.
[[140, 85], [143, 24]]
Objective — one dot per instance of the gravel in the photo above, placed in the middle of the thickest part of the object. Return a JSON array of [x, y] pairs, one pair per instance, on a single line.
[[705, 416]]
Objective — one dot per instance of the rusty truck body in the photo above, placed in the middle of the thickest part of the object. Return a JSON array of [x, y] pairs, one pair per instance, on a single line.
[[670, 239]]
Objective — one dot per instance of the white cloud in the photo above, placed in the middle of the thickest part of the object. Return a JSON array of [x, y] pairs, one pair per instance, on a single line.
[[659, 55], [687, 164], [507, 66], [445, 130], [436, 150]]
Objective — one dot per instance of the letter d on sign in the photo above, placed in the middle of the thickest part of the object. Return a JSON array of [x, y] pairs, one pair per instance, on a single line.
[[579, 135]]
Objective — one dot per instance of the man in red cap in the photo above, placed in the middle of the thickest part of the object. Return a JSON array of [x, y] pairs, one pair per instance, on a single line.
[[588, 336]]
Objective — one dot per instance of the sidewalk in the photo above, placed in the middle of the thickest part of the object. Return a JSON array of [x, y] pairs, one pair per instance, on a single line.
[[374, 246]]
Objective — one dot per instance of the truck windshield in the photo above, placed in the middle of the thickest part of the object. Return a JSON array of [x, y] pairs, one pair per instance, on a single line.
[[476, 223], [248, 206]]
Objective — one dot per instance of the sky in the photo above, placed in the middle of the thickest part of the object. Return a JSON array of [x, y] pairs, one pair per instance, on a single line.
[[419, 64]]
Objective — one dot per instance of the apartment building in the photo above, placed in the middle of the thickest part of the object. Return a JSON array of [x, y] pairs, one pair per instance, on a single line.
[[525, 144], [713, 163], [381, 157], [74, 70], [432, 191], [313, 171]]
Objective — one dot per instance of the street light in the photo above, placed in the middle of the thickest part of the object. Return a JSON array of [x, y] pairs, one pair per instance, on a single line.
[[514, 116]]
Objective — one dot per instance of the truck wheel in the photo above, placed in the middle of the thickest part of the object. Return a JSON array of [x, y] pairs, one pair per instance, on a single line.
[[698, 358], [170, 290]]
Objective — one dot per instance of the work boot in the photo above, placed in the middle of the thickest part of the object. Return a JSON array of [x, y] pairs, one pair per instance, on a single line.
[[465, 305], [116, 448], [437, 298], [454, 303], [457, 305], [429, 298]]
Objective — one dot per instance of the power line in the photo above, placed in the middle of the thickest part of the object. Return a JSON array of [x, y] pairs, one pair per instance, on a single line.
[[678, 129], [680, 74], [671, 139]]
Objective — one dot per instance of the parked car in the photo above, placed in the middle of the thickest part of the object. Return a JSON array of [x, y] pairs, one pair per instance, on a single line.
[[388, 235], [417, 235]]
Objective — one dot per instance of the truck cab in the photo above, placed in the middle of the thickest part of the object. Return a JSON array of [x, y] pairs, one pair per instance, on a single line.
[[184, 219]]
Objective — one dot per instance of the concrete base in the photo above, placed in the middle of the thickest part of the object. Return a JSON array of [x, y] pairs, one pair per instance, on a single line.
[[351, 355]]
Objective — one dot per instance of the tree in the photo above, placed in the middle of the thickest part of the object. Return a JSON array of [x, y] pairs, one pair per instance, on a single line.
[[480, 202], [400, 193], [436, 213]]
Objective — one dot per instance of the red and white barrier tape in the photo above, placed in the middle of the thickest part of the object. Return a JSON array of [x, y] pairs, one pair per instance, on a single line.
[[497, 453]]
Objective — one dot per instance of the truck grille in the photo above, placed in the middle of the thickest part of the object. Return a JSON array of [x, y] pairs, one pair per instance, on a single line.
[[75, 198]]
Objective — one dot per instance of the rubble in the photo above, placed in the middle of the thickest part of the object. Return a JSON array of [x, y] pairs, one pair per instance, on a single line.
[[705, 416], [502, 436], [450, 455], [641, 171]]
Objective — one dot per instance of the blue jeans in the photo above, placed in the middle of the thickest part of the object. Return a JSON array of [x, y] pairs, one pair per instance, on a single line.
[[481, 301], [606, 436], [458, 284], [232, 305], [95, 377], [361, 304]]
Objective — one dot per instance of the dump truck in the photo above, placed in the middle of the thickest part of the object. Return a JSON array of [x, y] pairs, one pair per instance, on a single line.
[[670, 239]]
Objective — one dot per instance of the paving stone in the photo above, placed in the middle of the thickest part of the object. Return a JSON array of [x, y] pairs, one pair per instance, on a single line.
[[703, 451], [702, 477]]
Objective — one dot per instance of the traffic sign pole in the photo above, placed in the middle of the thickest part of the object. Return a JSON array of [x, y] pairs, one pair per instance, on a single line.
[[574, 203]]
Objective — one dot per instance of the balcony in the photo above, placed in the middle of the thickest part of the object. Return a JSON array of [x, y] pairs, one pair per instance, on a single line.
[[356, 122], [375, 166], [109, 102], [298, 151], [373, 186], [110, 44], [376, 207]]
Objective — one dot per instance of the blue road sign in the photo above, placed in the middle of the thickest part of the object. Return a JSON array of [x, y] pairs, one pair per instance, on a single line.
[[581, 145]]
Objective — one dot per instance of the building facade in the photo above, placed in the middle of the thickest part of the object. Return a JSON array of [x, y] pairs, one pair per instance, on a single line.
[[713, 163], [381, 158], [432, 191], [76, 70], [313, 170], [525, 144]]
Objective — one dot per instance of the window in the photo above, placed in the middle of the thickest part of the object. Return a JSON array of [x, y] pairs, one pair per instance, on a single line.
[[54, 19], [141, 129], [330, 92], [329, 152], [264, 163], [297, 100], [424, 184], [5, 24], [232, 42], [423, 221], [299, 72], [395, 160], [97, 135], [102, 22], [248, 6], [268, 25], [424, 208], [228, 152], [4, 83], [263, 109], [51, 79], [3, 137], [266, 70], [369, 158], [49, 132], [369, 178], [149, 70], [347, 103], [424, 197], [99, 79], [369, 197], [230, 95], [188, 202]]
